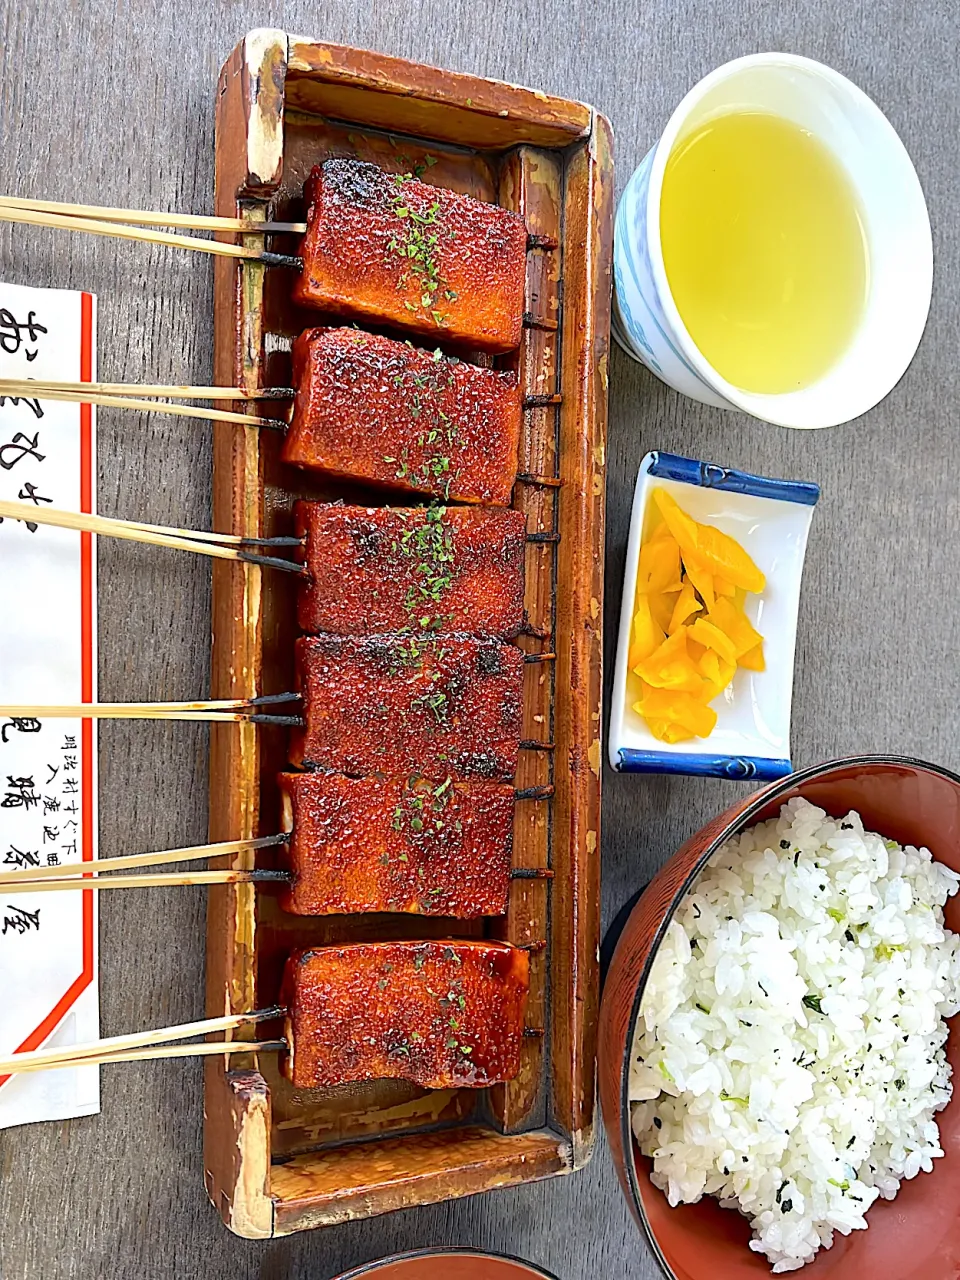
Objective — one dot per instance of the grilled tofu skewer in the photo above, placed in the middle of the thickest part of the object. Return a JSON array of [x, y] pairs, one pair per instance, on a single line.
[[374, 570], [393, 250], [438, 705], [445, 1015], [427, 846], [389, 414]]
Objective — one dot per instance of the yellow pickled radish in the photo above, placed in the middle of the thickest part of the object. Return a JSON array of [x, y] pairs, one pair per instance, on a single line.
[[717, 551], [733, 622], [706, 633], [667, 730], [670, 666], [701, 577], [647, 636], [709, 666], [717, 671], [690, 631], [724, 555], [679, 708], [682, 526], [661, 606], [659, 566], [753, 659], [687, 604]]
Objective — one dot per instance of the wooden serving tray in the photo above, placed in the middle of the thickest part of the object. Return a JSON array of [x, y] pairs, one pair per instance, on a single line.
[[279, 1160]]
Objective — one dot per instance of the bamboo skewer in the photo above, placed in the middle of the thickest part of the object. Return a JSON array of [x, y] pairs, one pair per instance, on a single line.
[[154, 217], [127, 862], [171, 879], [229, 711], [161, 390], [201, 535], [155, 535], [17, 388], [205, 1048], [135, 1040], [37, 218]]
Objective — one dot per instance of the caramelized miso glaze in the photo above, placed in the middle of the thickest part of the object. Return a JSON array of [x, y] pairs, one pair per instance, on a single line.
[[428, 846], [439, 705], [445, 1015], [383, 569], [386, 413], [391, 249]]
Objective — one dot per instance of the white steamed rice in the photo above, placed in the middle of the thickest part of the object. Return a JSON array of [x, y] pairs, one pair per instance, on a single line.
[[788, 1057]]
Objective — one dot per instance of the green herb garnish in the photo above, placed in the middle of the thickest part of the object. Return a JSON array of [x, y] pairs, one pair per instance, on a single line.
[[416, 245]]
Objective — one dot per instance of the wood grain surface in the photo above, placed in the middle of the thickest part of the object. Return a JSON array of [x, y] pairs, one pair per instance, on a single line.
[[111, 102]]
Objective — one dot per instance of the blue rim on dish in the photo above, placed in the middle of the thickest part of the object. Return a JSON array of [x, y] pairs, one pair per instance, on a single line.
[[708, 475], [735, 768], [453, 1251]]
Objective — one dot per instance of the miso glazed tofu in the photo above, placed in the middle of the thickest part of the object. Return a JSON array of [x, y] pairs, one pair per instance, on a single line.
[[388, 414], [389, 249], [447, 705], [445, 1015], [414, 844], [383, 569]]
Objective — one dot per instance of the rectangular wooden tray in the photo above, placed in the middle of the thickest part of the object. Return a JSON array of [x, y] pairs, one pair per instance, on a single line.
[[277, 1160]]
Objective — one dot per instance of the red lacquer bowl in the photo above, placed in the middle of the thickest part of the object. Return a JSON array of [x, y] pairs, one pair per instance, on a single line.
[[447, 1264], [917, 1235]]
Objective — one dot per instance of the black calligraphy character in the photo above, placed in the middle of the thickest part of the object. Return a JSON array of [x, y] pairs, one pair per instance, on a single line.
[[69, 762], [20, 794], [70, 786], [20, 447], [53, 771], [35, 407], [71, 807], [29, 491], [19, 920], [69, 743], [52, 859], [51, 804], [20, 725], [70, 849], [51, 835], [15, 857], [70, 823], [12, 332]]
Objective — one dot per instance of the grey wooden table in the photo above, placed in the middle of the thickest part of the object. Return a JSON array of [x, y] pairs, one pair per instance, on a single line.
[[112, 102]]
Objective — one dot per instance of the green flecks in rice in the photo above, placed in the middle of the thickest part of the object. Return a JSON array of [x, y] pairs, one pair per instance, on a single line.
[[789, 1054]]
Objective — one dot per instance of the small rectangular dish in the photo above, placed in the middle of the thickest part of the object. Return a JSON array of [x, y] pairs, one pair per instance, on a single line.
[[771, 520]]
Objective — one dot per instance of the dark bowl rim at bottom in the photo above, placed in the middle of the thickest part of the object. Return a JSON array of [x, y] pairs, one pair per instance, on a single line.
[[441, 1251], [760, 801]]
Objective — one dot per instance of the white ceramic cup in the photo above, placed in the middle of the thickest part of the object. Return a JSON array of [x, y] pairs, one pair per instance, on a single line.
[[646, 321]]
